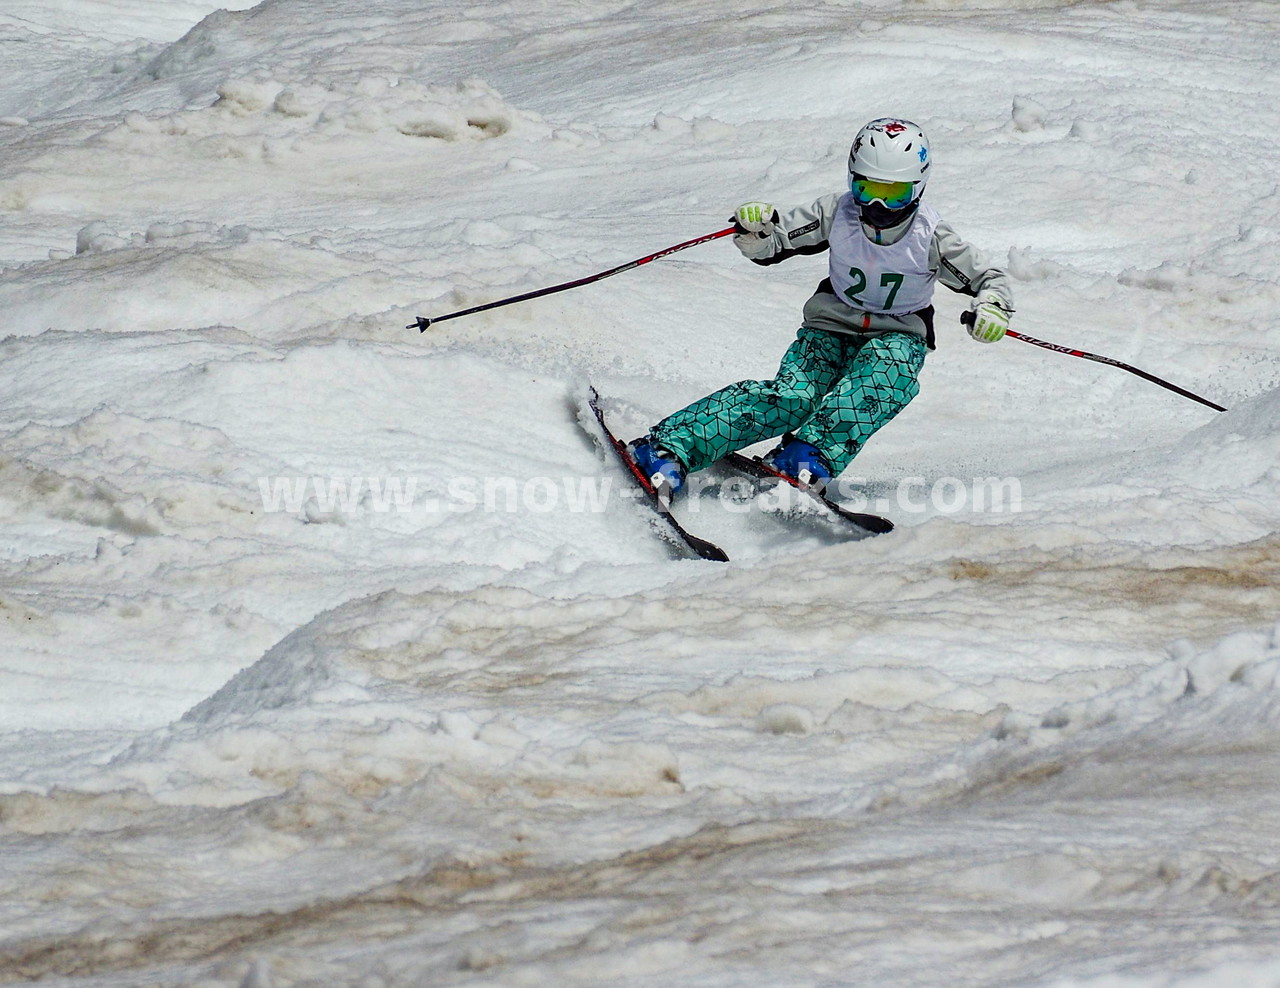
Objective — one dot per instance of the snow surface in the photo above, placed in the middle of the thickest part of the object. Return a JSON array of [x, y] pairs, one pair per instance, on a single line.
[[342, 743]]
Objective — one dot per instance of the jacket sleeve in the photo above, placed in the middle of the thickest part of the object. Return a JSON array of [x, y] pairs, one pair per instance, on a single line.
[[962, 268], [802, 230]]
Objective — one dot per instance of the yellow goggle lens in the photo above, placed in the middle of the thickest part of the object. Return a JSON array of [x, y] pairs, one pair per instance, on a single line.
[[894, 195]]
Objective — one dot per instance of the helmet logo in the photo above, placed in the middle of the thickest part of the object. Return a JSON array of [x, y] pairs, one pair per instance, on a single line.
[[895, 127], [924, 154]]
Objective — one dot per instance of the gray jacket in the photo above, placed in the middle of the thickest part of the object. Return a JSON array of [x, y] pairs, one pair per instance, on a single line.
[[805, 229]]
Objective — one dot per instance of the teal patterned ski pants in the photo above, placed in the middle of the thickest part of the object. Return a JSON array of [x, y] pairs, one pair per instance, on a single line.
[[832, 391]]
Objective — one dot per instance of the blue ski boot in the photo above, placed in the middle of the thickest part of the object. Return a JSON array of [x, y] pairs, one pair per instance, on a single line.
[[661, 467], [802, 463]]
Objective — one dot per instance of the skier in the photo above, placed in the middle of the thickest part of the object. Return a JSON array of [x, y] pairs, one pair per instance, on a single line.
[[855, 361]]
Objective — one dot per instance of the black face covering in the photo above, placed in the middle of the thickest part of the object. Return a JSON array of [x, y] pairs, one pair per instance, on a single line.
[[881, 217]]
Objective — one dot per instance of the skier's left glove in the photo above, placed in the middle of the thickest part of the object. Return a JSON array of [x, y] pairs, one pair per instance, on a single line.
[[988, 318]]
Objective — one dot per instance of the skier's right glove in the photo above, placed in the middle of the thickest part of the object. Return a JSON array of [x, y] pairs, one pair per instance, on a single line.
[[755, 221]]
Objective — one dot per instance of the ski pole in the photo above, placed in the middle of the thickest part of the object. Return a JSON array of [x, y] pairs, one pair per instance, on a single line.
[[422, 322], [968, 318]]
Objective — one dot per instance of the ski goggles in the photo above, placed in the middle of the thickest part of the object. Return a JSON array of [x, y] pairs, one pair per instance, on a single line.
[[894, 195]]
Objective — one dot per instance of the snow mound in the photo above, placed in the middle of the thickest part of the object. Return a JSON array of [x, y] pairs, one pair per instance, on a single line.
[[117, 20], [1239, 974], [193, 275], [264, 118], [332, 701], [222, 36], [1217, 703], [92, 501], [1253, 419]]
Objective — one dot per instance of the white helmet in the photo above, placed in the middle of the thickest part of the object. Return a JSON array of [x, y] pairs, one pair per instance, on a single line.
[[888, 169]]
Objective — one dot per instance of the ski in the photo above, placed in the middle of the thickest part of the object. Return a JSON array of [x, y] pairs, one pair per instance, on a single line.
[[700, 547], [754, 466]]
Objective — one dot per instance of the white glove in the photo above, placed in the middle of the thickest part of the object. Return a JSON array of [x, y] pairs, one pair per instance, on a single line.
[[757, 218], [990, 319]]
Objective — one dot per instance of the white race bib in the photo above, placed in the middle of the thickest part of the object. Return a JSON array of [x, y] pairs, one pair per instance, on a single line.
[[890, 278]]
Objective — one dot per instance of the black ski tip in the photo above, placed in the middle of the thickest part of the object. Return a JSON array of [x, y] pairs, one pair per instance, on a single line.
[[707, 550], [868, 523], [874, 523]]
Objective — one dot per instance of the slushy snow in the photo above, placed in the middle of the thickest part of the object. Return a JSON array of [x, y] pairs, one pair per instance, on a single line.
[[333, 654]]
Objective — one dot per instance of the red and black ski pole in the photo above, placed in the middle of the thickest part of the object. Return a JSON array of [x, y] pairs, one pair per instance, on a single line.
[[422, 322], [968, 318]]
